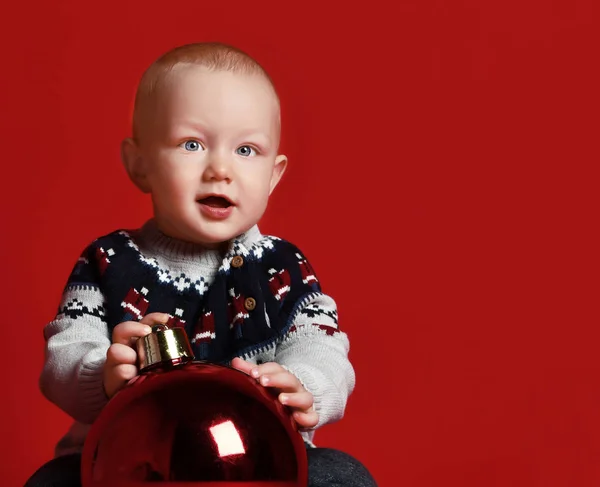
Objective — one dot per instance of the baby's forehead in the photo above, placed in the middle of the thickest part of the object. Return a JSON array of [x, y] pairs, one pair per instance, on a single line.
[[189, 90]]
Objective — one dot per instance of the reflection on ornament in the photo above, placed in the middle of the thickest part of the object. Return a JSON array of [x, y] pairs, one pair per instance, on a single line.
[[227, 439]]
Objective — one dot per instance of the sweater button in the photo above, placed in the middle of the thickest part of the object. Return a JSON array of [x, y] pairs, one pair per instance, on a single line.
[[237, 261], [250, 304]]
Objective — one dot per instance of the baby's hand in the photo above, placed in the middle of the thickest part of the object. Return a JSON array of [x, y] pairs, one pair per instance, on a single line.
[[121, 358], [291, 391]]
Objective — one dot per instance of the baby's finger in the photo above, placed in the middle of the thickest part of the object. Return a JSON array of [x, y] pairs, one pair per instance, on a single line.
[[285, 381], [152, 319], [307, 420], [302, 401], [267, 368], [242, 365], [118, 353], [124, 372], [126, 331]]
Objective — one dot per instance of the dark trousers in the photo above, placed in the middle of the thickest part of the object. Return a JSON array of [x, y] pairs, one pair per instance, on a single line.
[[326, 468]]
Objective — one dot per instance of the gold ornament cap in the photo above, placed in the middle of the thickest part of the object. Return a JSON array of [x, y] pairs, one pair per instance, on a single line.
[[163, 345]]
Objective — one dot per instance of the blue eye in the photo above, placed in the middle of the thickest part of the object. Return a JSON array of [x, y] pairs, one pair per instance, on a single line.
[[192, 145], [246, 151]]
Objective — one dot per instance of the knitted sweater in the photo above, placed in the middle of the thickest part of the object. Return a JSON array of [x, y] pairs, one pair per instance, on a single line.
[[260, 301]]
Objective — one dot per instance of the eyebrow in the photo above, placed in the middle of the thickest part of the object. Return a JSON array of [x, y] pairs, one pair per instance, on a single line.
[[250, 134], [197, 126]]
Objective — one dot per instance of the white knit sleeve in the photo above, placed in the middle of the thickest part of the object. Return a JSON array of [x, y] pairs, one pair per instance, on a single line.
[[76, 344], [316, 352]]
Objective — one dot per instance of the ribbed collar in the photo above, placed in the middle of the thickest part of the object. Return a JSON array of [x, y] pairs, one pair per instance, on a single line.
[[174, 249]]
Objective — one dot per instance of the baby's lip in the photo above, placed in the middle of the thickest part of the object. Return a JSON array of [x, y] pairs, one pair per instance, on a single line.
[[215, 199]]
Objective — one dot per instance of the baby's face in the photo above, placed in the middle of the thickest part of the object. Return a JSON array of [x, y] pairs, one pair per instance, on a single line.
[[210, 153]]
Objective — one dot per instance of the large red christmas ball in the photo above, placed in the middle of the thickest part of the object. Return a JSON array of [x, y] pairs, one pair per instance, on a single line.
[[194, 424]]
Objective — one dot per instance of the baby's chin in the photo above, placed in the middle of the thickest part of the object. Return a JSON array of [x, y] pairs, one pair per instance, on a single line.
[[208, 234]]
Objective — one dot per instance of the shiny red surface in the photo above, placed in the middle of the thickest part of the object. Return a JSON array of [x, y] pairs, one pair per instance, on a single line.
[[161, 429]]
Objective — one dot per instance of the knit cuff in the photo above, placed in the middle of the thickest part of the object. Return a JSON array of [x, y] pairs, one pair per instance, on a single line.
[[93, 396]]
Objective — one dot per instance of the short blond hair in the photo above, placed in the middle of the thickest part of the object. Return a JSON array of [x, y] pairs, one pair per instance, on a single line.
[[212, 55]]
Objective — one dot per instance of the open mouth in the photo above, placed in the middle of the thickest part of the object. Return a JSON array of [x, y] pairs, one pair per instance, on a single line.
[[215, 202]]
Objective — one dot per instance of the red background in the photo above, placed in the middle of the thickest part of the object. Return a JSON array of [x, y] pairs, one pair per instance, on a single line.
[[442, 183]]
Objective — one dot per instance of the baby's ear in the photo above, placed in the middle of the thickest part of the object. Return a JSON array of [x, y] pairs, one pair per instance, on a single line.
[[134, 164], [278, 170]]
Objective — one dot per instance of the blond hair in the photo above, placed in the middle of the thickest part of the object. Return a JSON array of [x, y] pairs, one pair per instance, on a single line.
[[212, 55]]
